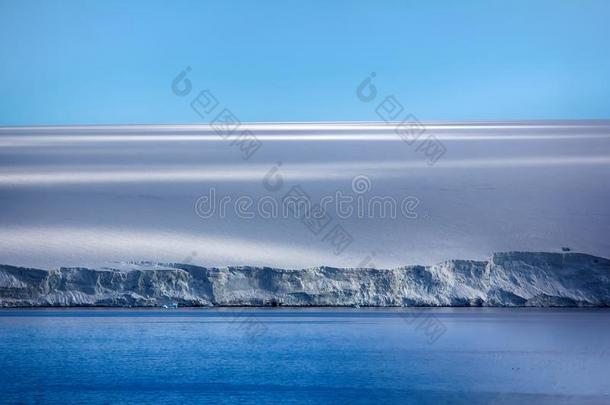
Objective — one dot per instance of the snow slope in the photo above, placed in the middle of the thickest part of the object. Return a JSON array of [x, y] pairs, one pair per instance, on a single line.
[[84, 196]]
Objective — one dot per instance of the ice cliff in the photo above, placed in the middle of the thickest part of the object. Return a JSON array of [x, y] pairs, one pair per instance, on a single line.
[[506, 279]]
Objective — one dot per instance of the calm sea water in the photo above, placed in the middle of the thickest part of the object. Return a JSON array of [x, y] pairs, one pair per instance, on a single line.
[[305, 356]]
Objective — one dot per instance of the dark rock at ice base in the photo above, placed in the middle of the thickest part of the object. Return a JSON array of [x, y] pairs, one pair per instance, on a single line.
[[506, 279]]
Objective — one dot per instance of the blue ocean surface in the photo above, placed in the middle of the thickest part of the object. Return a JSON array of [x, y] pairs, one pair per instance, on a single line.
[[283, 355]]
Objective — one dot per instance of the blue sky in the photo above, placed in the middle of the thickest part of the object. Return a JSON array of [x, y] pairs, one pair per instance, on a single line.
[[103, 62]]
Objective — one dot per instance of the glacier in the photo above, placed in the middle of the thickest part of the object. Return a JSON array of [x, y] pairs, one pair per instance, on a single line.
[[83, 196], [507, 279]]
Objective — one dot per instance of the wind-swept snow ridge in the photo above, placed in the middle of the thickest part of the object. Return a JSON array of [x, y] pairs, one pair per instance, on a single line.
[[507, 279]]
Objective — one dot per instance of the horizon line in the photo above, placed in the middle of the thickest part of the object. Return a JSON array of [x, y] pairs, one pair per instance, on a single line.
[[442, 124]]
